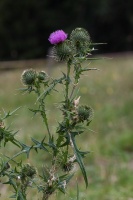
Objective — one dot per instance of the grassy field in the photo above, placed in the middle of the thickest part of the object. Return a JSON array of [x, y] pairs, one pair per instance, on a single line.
[[110, 138]]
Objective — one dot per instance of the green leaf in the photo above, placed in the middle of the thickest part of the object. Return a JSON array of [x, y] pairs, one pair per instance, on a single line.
[[59, 140], [25, 149], [63, 179], [79, 160], [83, 153], [8, 136], [77, 132], [39, 145], [62, 189], [46, 174], [8, 114], [51, 87], [69, 178]]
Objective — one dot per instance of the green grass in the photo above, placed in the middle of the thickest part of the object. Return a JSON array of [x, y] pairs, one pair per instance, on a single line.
[[110, 138]]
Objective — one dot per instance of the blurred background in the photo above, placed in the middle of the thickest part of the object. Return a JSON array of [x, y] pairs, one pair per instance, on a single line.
[[25, 25], [24, 30]]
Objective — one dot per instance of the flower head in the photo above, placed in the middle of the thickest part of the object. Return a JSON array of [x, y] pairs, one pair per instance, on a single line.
[[85, 113], [57, 37], [80, 35], [42, 76], [62, 51], [28, 77], [80, 39]]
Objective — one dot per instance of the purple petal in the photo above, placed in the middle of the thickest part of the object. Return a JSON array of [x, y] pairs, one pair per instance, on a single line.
[[57, 37]]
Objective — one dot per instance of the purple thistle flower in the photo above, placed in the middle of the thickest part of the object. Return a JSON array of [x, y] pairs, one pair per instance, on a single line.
[[57, 37]]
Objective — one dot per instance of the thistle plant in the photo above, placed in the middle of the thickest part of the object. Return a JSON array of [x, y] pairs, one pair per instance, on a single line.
[[60, 144]]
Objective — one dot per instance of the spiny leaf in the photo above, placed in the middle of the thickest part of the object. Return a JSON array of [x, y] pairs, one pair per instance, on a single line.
[[25, 149], [8, 114], [39, 145], [8, 136], [51, 87], [79, 160]]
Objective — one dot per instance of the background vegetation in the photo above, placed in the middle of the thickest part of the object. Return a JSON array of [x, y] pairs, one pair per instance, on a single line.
[[110, 141], [25, 25]]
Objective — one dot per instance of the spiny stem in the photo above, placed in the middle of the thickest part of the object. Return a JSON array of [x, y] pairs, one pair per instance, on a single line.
[[67, 83], [74, 86], [16, 155], [43, 113], [46, 122]]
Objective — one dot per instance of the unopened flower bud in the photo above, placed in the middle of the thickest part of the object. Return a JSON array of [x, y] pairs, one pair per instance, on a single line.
[[42, 76], [62, 51], [80, 35], [67, 167], [85, 113], [28, 171], [80, 41], [28, 77]]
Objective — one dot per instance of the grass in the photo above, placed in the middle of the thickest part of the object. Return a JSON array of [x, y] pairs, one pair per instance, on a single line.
[[110, 141]]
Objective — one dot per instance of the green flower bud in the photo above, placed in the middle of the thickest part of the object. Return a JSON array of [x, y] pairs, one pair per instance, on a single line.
[[28, 77], [85, 113], [28, 171], [62, 51], [80, 40], [79, 35], [42, 76], [67, 167]]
